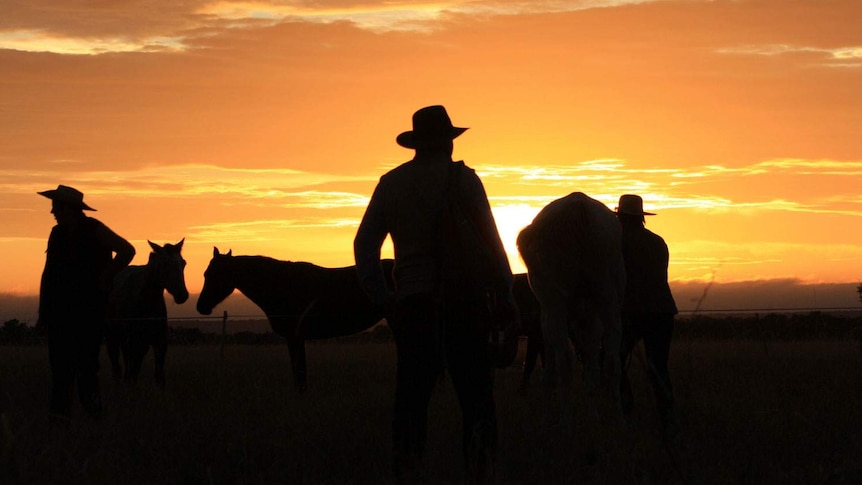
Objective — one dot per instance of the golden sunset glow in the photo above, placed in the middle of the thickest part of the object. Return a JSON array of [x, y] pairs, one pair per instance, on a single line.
[[263, 126]]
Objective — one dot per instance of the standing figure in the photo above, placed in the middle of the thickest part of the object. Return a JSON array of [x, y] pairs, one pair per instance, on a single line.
[[79, 269], [434, 312], [648, 306]]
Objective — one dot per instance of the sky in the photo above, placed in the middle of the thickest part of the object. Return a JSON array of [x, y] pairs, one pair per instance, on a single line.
[[262, 127]]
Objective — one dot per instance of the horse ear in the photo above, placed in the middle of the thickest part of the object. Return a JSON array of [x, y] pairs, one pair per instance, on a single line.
[[215, 251], [180, 244], [230, 252], [156, 247]]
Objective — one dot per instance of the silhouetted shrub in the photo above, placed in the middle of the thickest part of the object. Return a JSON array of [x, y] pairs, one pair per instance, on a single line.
[[772, 326], [16, 332]]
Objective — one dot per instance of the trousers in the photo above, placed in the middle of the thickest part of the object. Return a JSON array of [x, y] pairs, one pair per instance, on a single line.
[[656, 331], [74, 358], [433, 337]]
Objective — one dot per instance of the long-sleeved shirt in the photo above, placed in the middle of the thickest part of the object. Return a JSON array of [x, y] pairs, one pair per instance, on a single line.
[[407, 204], [646, 259], [79, 264]]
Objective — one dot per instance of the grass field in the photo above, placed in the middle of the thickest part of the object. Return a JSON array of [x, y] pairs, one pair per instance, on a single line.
[[750, 412]]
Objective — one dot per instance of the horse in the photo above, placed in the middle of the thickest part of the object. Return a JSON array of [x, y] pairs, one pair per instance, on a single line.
[[301, 300], [573, 253], [531, 326], [137, 315]]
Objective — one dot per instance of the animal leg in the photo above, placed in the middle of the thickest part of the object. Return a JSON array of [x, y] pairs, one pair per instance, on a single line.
[[296, 346], [533, 354], [559, 357], [587, 333], [612, 365], [134, 352], [160, 350], [112, 342]]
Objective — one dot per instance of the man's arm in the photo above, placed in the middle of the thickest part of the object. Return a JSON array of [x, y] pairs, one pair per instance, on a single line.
[[482, 216], [45, 288], [124, 253], [366, 249]]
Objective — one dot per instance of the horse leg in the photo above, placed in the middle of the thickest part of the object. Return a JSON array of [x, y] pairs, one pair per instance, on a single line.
[[136, 349], [126, 351], [160, 350], [533, 352], [558, 357], [112, 342], [612, 365], [587, 333], [296, 346]]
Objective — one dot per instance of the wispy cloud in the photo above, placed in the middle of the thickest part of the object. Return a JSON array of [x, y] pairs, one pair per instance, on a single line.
[[261, 230], [397, 16], [188, 181], [707, 187], [845, 56], [98, 28], [43, 41], [699, 188]]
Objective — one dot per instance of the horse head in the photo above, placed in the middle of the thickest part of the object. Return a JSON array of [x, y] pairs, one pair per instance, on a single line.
[[169, 267], [218, 282]]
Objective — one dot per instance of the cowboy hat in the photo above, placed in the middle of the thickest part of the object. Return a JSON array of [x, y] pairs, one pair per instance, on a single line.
[[67, 195], [431, 126], [632, 205]]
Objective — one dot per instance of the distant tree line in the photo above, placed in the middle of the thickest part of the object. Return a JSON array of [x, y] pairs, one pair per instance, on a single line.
[[16, 332], [771, 326], [768, 327]]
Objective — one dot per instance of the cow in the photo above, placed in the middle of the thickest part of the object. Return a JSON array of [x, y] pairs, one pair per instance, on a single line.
[[573, 253]]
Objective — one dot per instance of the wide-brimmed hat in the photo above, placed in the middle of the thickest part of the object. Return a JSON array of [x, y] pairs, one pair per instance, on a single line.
[[67, 195], [632, 205], [431, 126]]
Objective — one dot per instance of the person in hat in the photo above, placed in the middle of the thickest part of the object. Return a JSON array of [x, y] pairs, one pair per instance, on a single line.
[[648, 306], [433, 318], [82, 258]]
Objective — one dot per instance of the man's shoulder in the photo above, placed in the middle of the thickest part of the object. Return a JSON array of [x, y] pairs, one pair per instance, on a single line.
[[643, 234], [401, 170], [94, 224], [654, 238]]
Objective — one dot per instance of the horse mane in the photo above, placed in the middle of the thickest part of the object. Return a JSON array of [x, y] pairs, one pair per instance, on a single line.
[[269, 264]]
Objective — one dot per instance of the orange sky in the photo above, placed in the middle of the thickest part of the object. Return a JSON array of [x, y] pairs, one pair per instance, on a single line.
[[262, 127]]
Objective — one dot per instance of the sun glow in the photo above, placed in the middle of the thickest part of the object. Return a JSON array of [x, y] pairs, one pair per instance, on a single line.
[[510, 220], [263, 126]]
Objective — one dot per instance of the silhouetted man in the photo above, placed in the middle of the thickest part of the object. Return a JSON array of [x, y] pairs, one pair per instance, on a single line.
[[434, 316], [648, 306], [79, 268]]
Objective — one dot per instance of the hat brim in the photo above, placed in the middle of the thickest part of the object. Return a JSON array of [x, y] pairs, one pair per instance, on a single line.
[[409, 139], [52, 194], [618, 211]]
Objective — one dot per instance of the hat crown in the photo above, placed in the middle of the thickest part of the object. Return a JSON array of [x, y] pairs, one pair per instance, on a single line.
[[432, 121], [67, 195], [70, 193], [431, 126], [633, 205]]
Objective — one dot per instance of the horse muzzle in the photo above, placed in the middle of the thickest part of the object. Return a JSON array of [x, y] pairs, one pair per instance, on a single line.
[[203, 310], [181, 298]]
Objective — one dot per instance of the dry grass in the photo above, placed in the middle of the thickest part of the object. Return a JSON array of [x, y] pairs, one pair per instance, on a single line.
[[750, 413]]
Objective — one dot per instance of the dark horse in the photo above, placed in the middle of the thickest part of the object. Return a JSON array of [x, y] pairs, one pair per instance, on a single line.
[[302, 301], [137, 315]]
